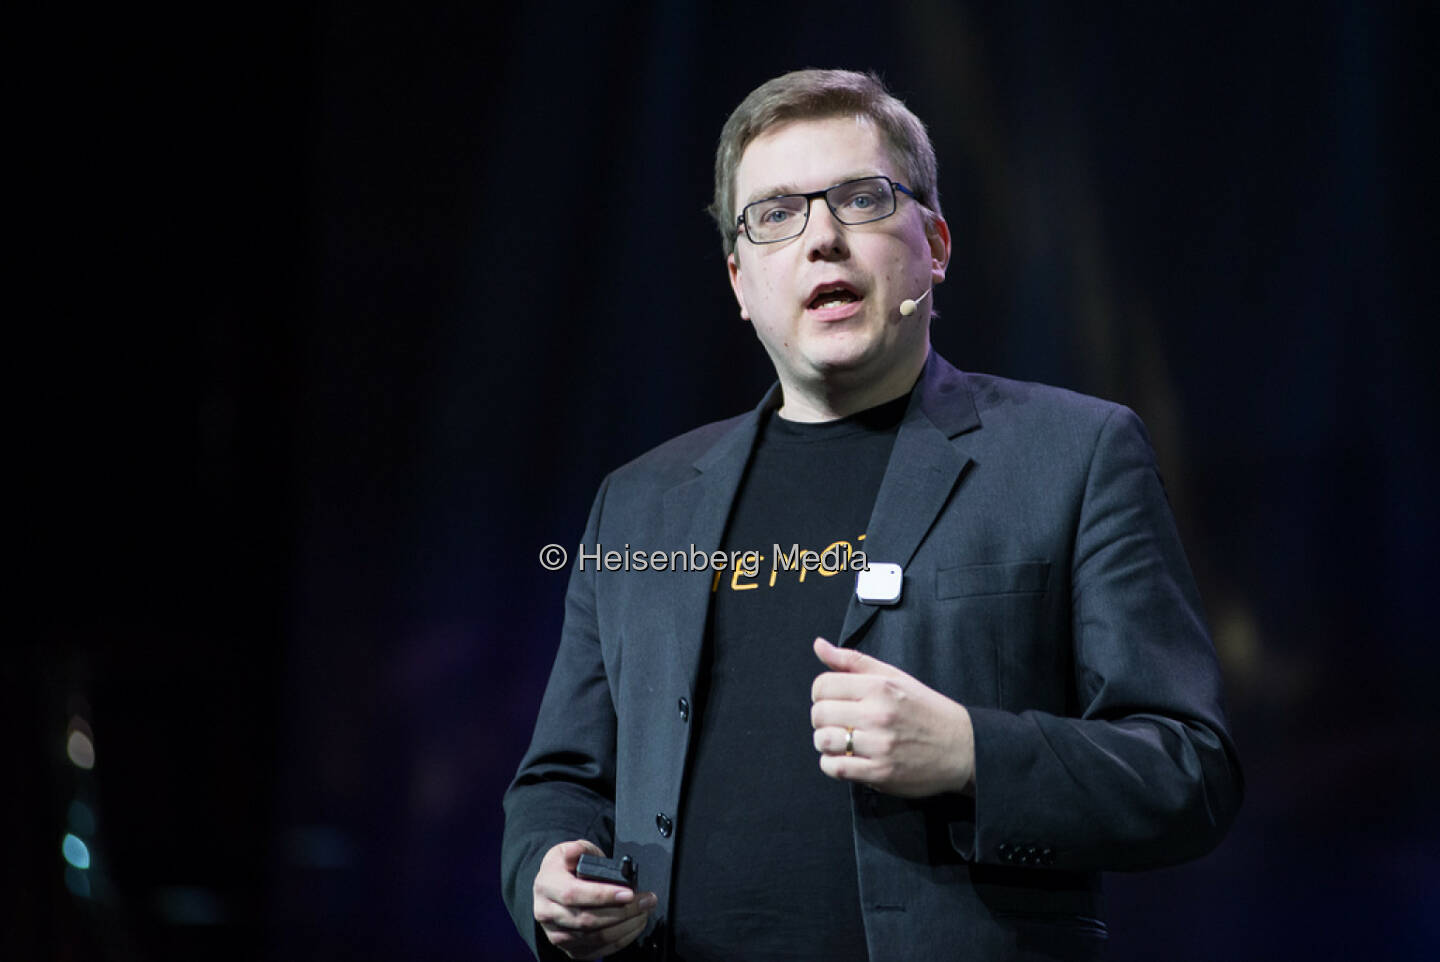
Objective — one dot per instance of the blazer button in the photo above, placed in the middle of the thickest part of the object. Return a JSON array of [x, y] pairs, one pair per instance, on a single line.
[[684, 707], [663, 823]]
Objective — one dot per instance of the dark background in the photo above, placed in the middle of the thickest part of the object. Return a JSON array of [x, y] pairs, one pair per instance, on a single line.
[[333, 315]]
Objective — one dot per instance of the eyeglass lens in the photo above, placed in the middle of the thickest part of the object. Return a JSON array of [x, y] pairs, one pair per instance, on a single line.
[[853, 202]]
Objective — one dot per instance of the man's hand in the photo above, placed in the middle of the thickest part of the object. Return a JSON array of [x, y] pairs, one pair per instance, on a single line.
[[907, 739], [583, 919]]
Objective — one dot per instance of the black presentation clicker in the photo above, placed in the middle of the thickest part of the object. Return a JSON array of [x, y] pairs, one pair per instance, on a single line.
[[621, 871]]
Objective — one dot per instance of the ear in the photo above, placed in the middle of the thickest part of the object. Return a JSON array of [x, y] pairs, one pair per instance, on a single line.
[[734, 265], [937, 232]]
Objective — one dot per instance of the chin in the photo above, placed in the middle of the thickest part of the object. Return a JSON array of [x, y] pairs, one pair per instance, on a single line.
[[841, 363], [843, 354]]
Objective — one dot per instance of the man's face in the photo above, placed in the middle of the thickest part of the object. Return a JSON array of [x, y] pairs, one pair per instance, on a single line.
[[826, 304]]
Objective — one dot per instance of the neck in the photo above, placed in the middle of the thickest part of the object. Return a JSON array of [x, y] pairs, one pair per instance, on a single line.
[[830, 399]]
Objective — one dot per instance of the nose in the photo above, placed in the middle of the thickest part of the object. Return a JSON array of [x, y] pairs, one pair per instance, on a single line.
[[824, 234]]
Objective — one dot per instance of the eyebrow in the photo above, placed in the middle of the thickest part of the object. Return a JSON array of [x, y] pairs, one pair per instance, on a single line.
[[780, 190]]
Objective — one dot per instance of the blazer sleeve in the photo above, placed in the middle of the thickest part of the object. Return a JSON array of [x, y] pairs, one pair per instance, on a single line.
[[565, 786], [1146, 775]]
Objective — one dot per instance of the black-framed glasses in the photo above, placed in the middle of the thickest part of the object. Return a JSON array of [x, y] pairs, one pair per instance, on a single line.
[[858, 201]]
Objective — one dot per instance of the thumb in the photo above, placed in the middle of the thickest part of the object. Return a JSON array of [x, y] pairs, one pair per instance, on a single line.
[[852, 661], [571, 851]]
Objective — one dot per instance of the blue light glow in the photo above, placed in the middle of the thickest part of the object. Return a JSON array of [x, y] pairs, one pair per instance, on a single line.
[[75, 852]]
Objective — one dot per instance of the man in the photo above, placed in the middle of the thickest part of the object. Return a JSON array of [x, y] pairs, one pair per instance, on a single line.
[[930, 759]]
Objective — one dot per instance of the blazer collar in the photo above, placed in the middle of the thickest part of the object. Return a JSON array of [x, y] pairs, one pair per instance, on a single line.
[[944, 398], [924, 468], [694, 513]]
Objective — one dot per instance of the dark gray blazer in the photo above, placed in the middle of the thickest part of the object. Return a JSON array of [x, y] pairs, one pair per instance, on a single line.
[[1044, 588]]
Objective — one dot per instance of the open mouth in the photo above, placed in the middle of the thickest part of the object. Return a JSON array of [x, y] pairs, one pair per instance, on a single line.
[[831, 295]]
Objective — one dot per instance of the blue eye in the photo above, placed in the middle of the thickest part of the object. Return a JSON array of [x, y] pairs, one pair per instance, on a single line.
[[775, 216], [862, 200]]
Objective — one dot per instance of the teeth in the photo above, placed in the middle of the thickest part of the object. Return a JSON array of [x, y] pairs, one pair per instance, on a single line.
[[835, 302]]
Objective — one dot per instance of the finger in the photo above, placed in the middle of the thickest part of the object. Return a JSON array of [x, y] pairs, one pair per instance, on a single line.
[[575, 919], [592, 943], [564, 857], [841, 686], [570, 852], [619, 936], [832, 741], [850, 768], [567, 890], [850, 660], [589, 920], [837, 714]]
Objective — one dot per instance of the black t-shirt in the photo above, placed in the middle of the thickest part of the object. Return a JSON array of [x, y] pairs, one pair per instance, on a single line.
[[765, 858]]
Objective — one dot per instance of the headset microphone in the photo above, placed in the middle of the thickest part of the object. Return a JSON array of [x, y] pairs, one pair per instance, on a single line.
[[908, 307]]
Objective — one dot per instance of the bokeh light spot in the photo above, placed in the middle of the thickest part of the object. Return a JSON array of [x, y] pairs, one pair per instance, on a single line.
[[80, 749], [75, 852]]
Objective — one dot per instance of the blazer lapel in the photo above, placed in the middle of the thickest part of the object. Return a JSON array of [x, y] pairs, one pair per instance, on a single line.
[[924, 469], [695, 513]]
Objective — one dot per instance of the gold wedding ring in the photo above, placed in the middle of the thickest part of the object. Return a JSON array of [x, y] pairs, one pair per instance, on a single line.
[[849, 741]]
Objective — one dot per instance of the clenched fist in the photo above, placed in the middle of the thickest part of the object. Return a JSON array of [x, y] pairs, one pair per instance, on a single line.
[[904, 738]]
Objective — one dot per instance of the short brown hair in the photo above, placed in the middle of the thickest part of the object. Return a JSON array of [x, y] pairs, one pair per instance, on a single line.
[[816, 95]]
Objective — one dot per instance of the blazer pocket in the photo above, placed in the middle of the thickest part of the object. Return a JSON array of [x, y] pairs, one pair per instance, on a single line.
[[1009, 578]]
